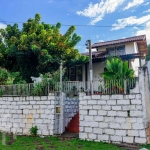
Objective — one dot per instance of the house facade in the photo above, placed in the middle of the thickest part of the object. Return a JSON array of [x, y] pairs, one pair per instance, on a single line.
[[132, 49]]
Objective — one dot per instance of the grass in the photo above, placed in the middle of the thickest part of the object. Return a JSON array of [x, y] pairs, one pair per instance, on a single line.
[[52, 143], [145, 146]]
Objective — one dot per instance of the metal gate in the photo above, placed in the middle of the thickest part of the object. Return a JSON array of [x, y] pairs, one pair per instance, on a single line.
[[66, 109], [59, 125]]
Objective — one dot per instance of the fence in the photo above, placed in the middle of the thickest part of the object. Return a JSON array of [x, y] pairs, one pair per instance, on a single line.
[[119, 86], [31, 89], [70, 87]]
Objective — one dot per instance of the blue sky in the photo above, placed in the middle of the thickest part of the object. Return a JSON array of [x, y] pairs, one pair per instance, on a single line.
[[88, 16]]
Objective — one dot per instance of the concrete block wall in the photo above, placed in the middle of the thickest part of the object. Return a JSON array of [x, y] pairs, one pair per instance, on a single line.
[[19, 114], [112, 118]]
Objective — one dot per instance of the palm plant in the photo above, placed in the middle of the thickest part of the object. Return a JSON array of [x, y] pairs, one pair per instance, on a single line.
[[117, 72], [117, 69]]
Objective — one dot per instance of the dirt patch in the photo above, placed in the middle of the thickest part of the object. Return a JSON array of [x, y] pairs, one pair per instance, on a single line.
[[39, 144], [128, 146], [80, 146], [52, 147], [46, 141], [10, 142], [40, 148]]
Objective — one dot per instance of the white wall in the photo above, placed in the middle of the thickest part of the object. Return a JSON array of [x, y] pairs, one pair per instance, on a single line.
[[135, 63], [19, 114], [117, 118], [144, 90], [98, 68], [112, 118], [136, 47], [129, 47], [143, 62], [148, 66]]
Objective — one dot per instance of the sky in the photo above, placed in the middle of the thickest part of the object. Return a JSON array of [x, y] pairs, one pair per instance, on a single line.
[[95, 20]]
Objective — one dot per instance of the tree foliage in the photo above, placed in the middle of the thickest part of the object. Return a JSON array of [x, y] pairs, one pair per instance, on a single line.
[[36, 48], [9, 77], [117, 69], [78, 61]]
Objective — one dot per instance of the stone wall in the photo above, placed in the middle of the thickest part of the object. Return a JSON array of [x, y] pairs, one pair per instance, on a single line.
[[19, 114], [115, 118]]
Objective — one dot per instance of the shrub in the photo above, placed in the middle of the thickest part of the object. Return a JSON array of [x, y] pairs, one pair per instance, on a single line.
[[38, 89], [7, 78], [33, 131]]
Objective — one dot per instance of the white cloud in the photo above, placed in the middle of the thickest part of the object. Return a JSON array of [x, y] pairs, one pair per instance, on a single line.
[[133, 3], [145, 31], [147, 3], [2, 26], [133, 20], [101, 41], [135, 28], [97, 11], [146, 11]]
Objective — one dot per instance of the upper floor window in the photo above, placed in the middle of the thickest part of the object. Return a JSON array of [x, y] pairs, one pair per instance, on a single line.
[[118, 50], [111, 51]]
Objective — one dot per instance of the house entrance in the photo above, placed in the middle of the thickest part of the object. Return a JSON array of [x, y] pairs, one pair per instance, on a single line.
[[66, 114]]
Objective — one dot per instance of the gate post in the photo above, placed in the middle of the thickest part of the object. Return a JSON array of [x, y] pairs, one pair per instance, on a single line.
[[62, 107]]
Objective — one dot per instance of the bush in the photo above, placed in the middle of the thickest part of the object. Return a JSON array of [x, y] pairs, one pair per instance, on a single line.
[[3, 75], [7, 78], [38, 89], [33, 131]]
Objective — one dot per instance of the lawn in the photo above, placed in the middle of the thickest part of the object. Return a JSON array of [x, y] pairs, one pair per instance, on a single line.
[[52, 143]]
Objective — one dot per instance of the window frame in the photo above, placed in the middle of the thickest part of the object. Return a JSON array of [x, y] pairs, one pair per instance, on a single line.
[[116, 50]]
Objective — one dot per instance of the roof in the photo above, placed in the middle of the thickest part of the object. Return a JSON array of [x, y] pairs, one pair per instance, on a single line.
[[95, 53], [119, 41], [102, 55], [124, 57]]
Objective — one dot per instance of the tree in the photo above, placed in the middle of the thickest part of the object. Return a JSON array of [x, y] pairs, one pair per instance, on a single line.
[[36, 48], [148, 55]]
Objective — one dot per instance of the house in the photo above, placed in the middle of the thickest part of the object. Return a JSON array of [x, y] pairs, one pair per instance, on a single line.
[[131, 49]]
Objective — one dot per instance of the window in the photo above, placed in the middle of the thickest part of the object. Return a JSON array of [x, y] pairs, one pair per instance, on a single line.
[[111, 51], [72, 74], [118, 50], [75, 73], [79, 73]]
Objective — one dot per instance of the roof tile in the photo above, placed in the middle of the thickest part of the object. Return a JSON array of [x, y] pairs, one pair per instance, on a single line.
[[125, 40]]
